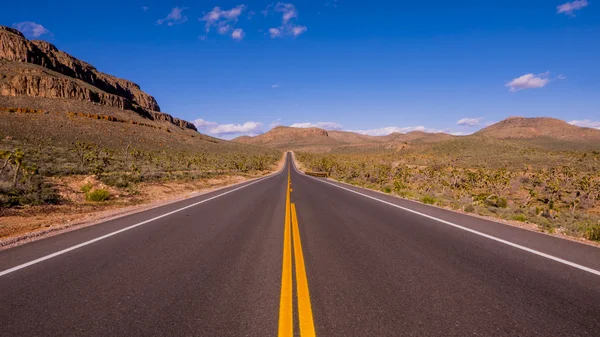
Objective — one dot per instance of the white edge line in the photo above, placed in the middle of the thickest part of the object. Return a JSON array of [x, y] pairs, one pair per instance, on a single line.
[[508, 243], [66, 250]]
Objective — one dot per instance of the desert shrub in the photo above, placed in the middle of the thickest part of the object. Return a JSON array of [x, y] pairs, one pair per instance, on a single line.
[[34, 192], [469, 208], [87, 187], [428, 200], [592, 232], [120, 181], [520, 217], [98, 195]]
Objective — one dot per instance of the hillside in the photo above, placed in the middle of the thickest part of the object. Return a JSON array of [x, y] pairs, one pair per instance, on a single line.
[[37, 69], [64, 124], [417, 136], [283, 137], [539, 127], [319, 140]]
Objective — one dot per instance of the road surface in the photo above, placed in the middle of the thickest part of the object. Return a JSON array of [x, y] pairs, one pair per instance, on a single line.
[[270, 257]]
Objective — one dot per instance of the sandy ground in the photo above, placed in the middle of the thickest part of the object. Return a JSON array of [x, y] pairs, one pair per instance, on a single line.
[[18, 226]]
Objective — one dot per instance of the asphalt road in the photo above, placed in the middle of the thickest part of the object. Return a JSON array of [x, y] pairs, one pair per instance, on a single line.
[[351, 263]]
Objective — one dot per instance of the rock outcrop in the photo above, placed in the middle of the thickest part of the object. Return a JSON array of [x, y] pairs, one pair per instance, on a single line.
[[15, 47], [38, 69]]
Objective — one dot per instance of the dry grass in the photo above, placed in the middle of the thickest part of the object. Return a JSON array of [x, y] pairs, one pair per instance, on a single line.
[[556, 188]]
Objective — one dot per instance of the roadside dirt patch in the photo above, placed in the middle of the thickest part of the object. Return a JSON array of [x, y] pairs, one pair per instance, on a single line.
[[20, 225]]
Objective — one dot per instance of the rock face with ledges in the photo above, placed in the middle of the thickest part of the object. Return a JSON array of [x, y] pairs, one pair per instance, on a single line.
[[38, 69], [16, 48]]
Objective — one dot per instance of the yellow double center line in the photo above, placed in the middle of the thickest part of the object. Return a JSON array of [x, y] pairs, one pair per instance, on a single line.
[[286, 316]]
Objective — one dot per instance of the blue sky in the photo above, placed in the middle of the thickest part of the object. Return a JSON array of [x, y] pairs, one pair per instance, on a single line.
[[239, 67]]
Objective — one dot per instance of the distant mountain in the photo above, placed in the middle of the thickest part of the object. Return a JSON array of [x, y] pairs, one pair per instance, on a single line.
[[417, 136], [322, 140], [539, 127], [287, 137]]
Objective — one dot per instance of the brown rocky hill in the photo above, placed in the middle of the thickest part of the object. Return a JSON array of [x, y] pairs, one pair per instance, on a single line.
[[353, 138], [319, 140], [287, 137], [37, 69], [540, 128], [417, 136]]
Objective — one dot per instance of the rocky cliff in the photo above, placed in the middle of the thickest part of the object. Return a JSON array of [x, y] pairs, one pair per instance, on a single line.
[[38, 69], [15, 47]]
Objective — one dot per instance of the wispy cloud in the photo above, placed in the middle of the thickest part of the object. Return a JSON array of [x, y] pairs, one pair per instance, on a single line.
[[529, 81], [288, 27], [223, 130], [31, 29], [238, 34], [275, 123], [274, 32], [175, 17], [145, 8], [275, 86], [384, 131], [224, 21], [321, 125], [569, 8], [332, 3], [470, 121], [586, 123]]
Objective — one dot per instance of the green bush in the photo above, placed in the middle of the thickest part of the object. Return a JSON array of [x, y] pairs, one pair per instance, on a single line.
[[98, 195], [592, 232], [520, 217], [34, 192], [428, 200], [87, 187]]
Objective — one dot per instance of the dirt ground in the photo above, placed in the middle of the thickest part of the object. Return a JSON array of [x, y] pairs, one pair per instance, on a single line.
[[21, 225]]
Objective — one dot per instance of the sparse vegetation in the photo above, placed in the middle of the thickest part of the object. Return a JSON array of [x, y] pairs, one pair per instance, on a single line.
[[557, 189], [97, 195]]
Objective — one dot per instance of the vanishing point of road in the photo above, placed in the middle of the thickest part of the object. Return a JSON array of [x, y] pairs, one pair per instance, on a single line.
[[289, 255]]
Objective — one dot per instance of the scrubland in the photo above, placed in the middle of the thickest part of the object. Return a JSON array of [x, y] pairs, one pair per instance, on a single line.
[[554, 185]]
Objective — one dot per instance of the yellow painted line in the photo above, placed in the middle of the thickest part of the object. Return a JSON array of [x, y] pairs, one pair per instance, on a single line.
[[286, 318], [307, 325]]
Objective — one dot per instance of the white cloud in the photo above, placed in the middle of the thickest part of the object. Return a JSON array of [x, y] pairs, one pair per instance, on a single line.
[[216, 129], [224, 21], [275, 32], [275, 86], [384, 131], [529, 81], [267, 10], [570, 7], [288, 27], [275, 123], [297, 30], [470, 121], [238, 34], [288, 11], [145, 8], [33, 29], [175, 17], [586, 123], [321, 125], [202, 124]]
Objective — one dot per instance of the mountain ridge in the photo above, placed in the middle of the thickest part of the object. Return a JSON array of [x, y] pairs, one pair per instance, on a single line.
[[512, 128]]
